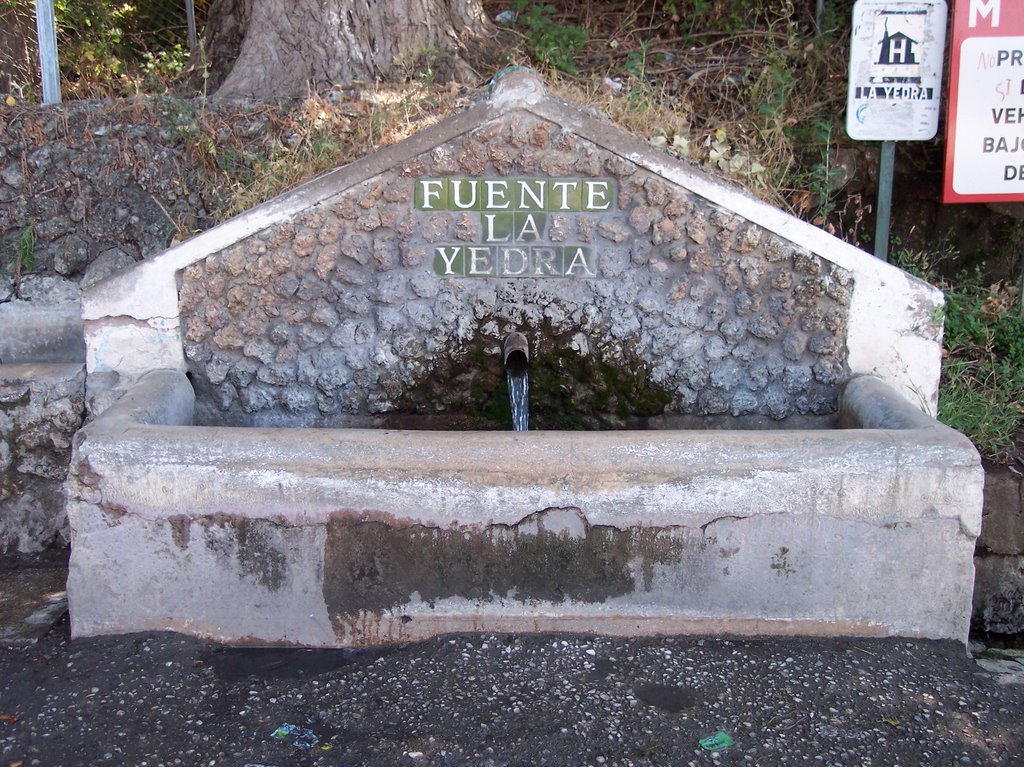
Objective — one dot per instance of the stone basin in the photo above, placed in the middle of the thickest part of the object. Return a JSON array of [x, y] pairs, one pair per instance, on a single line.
[[331, 537]]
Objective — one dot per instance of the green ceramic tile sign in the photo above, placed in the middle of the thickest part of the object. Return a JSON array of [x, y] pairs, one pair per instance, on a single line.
[[510, 195], [515, 261], [513, 216]]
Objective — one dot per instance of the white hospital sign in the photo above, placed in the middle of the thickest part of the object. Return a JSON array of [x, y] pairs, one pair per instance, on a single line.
[[985, 127], [896, 55]]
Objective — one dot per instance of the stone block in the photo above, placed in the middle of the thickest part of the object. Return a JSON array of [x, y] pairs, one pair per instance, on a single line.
[[34, 332], [41, 407], [999, 594], [1002, 522]]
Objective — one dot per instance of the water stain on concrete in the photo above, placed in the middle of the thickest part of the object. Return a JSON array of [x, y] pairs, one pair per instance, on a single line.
[[251, 663], [551, 556], [181, 530], [253, 542], [666, 697]]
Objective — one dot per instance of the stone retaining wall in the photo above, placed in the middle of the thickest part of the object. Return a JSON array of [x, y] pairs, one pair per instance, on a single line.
[[93, 186], [85, 182], [41, 408], [999, 558]]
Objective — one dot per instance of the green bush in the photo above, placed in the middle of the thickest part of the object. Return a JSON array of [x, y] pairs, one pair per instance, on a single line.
[[551, 42], [117, 48], [981, 393]]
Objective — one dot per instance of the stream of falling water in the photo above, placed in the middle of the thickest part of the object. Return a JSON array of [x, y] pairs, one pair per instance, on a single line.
[[519, 396]]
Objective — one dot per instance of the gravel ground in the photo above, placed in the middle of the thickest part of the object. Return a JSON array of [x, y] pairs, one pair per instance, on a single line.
[[164, 699]]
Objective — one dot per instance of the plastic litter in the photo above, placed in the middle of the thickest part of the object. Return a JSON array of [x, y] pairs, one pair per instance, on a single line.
[[506, 18], [301, 736], [612, 84], [716, 742]]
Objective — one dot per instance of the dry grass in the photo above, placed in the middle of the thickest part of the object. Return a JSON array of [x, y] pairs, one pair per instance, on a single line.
[[743, 88], [761, 104], [303, 141]]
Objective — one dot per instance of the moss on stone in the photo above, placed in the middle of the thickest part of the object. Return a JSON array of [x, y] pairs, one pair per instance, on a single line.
[[568, 390]]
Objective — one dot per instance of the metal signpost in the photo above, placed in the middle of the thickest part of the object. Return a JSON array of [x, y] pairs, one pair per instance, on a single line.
[[190, 20], [985, 127], [46, 29], [895, 88]]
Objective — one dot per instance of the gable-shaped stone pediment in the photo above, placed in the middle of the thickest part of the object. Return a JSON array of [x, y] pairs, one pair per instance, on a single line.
[[379, 298], [388, 285]]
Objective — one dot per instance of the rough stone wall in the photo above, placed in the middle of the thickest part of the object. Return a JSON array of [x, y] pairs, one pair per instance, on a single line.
[[95, 186], [339, 312], [81, 181], [41, 408], [999, 557]]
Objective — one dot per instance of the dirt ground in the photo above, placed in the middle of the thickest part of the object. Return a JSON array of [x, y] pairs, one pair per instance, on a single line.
[[164, 699]]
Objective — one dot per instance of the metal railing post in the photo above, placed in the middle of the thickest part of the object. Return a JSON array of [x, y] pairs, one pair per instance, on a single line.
[[46, 29], [190, 15], [885, 174]]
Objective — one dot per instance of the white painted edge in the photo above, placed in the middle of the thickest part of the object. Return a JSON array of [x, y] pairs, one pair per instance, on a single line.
[[124, 294], [886, 336]]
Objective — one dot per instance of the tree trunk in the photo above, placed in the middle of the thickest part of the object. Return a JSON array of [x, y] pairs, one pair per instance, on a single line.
[[227, 21], [287, 47]]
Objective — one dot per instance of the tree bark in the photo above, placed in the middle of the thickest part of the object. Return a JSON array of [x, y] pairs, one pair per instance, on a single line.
[[227, 21], [287, 47]]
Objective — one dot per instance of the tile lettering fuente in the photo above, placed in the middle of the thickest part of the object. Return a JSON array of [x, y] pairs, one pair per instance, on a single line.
[[513, 224]]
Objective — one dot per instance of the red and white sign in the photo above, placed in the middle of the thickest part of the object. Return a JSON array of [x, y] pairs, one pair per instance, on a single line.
[[985, 125]]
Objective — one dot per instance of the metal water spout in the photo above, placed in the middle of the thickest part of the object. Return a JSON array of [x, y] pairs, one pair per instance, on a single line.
[[516, 354]]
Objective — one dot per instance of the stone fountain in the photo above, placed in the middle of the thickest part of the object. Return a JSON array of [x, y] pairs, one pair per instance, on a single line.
[[245, 478]]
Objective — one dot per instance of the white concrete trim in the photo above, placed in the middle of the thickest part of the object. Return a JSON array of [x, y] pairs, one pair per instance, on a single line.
[[891, 325], [890, 310]]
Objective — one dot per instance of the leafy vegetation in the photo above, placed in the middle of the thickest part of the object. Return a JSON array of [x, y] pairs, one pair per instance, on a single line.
[[638, 63], [724, 16], [982, 392], [982, 387], [114, 48], [552, 43], [749, 88], [24, 255]]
